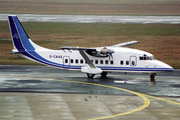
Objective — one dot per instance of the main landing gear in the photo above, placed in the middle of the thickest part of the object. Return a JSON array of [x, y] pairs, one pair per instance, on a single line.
[[103, 74], [90, 75], [152, 76]]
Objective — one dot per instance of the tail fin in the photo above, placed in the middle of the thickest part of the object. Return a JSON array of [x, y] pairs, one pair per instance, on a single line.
[[21, 41], [24, 46]]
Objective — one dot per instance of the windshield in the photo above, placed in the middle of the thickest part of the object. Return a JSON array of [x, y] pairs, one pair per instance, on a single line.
[[152, 58], [145, 57]]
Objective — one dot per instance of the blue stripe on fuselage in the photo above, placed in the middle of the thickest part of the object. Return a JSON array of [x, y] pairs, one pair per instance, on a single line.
[[137, 69], [37, 57]]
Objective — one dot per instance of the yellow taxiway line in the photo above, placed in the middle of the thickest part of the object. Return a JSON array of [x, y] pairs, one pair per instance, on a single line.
[[143, 96], [146, 100]]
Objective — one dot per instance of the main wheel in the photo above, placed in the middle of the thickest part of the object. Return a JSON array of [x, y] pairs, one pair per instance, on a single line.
[[152, 76], [90, 75], [104, 74]]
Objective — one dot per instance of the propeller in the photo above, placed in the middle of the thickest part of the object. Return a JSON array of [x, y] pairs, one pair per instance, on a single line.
[[107, 52]]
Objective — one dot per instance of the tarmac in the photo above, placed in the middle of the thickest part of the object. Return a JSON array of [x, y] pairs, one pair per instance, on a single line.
[[45, 93]]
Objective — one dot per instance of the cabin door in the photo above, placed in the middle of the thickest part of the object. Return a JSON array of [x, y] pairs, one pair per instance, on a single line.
[[133, 60], [66, 62]]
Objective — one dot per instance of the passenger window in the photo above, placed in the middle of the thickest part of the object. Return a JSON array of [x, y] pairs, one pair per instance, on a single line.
[[121, 62], [81, 61], [96, 61], [92, 61], [66, 60], [127, 62], [141, 58], [106, 61], [76, 60], [101, 61], [112, 62], [72, 60], [133, 63]]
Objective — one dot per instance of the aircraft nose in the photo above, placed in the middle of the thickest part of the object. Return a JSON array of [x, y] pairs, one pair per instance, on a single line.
[[166, 67], [170, 69]]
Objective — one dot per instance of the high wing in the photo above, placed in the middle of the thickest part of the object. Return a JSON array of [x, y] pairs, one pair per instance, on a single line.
[[117, 45], [125, 44], [75, 48], [96, 52], [104, 52]]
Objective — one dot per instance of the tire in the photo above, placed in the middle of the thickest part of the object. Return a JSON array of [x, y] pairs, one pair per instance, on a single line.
[[104, 74], [152, 76], [90, 75]]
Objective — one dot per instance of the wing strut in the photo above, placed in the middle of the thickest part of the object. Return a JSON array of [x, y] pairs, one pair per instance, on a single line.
[[91, 69], [87, 59]]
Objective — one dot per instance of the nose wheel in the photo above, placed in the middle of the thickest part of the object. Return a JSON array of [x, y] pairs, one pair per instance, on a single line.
[[152, 76]]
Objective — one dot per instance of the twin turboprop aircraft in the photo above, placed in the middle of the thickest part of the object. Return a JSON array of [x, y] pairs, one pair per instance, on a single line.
[[100, 60]]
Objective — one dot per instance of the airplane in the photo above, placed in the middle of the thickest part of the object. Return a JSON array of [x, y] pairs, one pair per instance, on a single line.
[[92, 61]]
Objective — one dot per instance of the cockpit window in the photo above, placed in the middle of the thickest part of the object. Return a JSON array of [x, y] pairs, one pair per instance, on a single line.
[[152, 58], [145, 57]]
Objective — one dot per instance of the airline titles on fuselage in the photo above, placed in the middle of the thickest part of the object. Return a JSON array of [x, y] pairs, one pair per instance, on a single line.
[[55, 56]]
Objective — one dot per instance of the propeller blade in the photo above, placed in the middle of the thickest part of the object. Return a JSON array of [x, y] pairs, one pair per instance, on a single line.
[[111, 55]]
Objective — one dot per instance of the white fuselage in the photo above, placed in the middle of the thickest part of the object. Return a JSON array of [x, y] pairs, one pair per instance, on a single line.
[[124, 60]]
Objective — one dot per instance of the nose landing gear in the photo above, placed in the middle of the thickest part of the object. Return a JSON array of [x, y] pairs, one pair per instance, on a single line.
[[152, 76]]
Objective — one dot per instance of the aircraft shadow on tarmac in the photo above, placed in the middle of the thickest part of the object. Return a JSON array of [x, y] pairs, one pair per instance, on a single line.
[[112, 79]]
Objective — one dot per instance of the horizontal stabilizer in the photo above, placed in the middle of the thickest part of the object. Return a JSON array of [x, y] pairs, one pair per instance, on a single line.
[[15, 52]]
